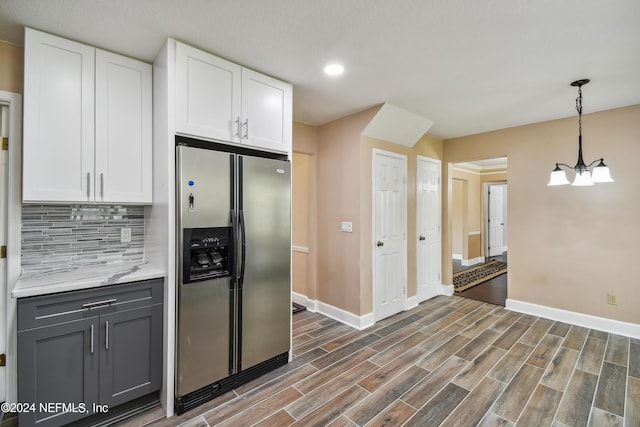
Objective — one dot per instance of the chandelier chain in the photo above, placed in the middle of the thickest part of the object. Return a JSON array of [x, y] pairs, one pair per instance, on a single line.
[[579, 109]]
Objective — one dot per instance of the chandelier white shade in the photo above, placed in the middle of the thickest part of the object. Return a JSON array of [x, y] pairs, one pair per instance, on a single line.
[[583, 177]]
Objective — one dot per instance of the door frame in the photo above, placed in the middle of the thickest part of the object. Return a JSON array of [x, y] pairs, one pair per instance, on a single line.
[[14, 221], [374, 285], [485, 211], [438, 163]]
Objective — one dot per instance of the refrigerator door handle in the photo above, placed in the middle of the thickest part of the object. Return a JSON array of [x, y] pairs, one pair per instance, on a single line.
[[234, 233], [243, 246]]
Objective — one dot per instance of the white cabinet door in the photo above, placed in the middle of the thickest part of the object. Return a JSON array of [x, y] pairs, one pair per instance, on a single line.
[[58, 137], [207, 95], [266, 112], [123, 130]]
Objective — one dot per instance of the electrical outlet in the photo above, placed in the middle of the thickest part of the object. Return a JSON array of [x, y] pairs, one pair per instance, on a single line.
[[125, 235], [612, 299]]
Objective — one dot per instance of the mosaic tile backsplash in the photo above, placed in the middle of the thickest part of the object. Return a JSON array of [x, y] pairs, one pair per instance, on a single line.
[[64, 237]]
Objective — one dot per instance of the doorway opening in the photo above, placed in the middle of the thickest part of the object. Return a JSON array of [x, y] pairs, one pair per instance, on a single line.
[[479, 229], [10, 232]]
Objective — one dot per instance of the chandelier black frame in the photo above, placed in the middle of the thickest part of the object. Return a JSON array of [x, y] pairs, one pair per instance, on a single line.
[[583, 176]]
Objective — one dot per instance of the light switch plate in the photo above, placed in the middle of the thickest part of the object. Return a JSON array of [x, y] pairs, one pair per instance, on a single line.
[[347, 227]]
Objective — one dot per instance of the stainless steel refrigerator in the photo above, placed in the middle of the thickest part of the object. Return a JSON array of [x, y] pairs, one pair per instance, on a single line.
[[233, 266]]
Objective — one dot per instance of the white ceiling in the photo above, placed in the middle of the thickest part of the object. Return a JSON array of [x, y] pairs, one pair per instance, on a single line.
[[467, 65]]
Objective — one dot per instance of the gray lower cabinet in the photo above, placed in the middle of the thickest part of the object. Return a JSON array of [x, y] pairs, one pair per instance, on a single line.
[[131, 359], [85, 352]]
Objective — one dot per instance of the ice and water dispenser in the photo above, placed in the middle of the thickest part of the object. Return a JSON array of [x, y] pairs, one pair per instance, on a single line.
[[207, 253]]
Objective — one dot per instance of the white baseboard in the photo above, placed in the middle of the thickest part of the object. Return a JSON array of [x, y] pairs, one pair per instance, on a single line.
[[474, 261], [457, 257], [411, 302], [580, 319], [348, 318], [447, 290], [343, 316], [303, 300]]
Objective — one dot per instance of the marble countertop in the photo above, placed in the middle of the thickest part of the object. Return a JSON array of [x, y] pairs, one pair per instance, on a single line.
[[85, 278]]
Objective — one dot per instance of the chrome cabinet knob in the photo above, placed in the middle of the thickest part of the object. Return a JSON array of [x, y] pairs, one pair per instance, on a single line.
[[422, 238], [379, 243]]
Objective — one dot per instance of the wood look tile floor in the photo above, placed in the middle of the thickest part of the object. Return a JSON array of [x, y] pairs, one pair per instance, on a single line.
[[451, 361]]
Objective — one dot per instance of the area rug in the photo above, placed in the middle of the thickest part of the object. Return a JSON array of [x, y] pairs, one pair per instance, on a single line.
[[476, 275], [297, 308]]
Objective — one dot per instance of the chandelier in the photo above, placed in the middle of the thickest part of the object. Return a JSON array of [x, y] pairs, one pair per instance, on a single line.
[[583, 176]]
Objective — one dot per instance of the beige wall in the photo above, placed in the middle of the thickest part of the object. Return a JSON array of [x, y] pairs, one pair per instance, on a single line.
[[473, 219], [339, 199], [344, 165], [467, 213], [568, 246], [11, 66], [474, 244], [468, 209], [304, 208], [458, 196], [301, 215]]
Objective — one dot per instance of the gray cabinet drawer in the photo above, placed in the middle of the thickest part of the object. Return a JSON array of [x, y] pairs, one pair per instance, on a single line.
[[44, 310]]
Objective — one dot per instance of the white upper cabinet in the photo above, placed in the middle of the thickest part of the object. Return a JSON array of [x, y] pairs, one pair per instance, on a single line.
[[207, 95], [58, 135], [87, 124], [219, 100], [123, 130], [266, 112]]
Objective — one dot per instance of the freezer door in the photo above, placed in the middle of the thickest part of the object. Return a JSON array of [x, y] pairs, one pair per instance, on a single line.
[[203, 351], [265, 213], [205, 180]]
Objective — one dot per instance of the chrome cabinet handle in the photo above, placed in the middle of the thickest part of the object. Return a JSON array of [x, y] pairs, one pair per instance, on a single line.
[[246, 124], [91, 338], [99, 303], [102, 185], [422, 238], [88, 184], [237, 122], [106, 333], [379, 243]]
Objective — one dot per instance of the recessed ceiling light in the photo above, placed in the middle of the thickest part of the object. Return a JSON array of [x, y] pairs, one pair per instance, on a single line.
[[333, 69]]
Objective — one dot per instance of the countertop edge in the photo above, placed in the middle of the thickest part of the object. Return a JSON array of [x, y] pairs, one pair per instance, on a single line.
[[89, 278]]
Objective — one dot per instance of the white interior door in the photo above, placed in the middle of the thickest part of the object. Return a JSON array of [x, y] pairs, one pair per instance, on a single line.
[[428, 228], [4, 163], [10, 219], [497, 219], [390, 229]]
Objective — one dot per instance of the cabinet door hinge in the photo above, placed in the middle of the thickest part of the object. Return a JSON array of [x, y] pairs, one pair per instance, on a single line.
[[5, 143], [3, 359], [3, 251]]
